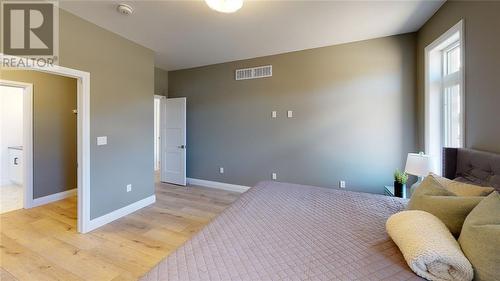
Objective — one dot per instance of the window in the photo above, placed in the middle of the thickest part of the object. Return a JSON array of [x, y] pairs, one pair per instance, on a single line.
[[444, 94], [452, 105]]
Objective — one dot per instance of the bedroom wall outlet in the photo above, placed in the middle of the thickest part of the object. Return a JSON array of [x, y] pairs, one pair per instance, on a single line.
[[274, 114], [274, 176], [221, 170], [289, 114], [342, 184], [129, 187], [102, 140]]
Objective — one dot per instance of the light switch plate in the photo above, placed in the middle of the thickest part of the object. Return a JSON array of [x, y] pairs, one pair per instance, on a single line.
[[102, 140], [129, 187], [342, 184], [289, 114], [274, 176], [221, 170], [274, 114]]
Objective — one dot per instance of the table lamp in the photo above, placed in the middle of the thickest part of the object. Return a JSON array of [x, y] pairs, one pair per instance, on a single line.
[[418, 164]]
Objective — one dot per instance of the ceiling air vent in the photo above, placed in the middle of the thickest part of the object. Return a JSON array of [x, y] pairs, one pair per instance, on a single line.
[[254, 72]]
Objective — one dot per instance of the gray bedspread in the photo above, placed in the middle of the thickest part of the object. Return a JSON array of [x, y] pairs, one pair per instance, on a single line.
[[280, 231]]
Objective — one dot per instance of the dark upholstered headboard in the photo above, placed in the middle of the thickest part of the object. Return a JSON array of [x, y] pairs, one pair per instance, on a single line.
[[472, 166]]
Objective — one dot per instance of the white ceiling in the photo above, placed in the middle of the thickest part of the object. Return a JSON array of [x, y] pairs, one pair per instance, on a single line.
[[187, 33]]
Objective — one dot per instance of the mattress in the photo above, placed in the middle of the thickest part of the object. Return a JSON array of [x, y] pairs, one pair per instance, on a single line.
[[280, 231]]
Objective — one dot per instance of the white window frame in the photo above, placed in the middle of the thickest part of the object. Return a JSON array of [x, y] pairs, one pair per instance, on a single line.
[[434, 88]]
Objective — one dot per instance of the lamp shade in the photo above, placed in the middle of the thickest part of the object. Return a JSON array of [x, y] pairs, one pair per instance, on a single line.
[[418, 164]]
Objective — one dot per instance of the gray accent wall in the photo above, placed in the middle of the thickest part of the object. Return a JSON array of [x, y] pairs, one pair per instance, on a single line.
[[121, 108], [482, 61], [161, 82], [54, 130], [353, 106]]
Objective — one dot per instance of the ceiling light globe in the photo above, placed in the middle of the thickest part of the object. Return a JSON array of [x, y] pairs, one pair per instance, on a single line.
[[225, 6]]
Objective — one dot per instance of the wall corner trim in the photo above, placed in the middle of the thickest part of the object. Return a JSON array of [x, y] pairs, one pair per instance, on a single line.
[[218, 185], [114, 215], [52, 198]]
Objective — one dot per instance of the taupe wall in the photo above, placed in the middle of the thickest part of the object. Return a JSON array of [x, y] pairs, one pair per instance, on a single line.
[[161, 82], [54, 130], [482, 60], [354, 116], [121, 108]]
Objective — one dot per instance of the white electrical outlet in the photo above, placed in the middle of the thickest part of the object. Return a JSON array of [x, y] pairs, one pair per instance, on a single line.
[[289, 114], [129, 187], [221, 170], [274, 114], [102, 140], [342, 184], [274, 176]]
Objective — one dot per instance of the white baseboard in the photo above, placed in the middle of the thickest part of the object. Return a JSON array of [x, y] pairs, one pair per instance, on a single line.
[[53, 197], [107, 218], [218, 185]]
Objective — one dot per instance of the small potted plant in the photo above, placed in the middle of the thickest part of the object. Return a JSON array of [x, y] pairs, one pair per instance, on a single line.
[[400, 179]]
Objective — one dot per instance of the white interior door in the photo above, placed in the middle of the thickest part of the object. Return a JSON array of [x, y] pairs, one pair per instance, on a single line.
[[173, 168]]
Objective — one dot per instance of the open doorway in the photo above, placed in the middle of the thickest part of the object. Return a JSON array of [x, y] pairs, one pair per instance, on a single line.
[[158, 103], [39, 132], [84, 222], [15, 131]]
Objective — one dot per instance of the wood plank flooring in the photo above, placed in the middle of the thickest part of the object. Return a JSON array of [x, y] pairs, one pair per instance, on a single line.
[[42, 243]]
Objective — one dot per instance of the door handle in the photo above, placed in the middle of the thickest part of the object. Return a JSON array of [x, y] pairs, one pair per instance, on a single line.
[[181, 146], [15, 161]]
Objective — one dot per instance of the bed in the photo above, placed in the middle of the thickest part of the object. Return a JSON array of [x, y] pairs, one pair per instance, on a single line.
[[472, 166], [281, 231]]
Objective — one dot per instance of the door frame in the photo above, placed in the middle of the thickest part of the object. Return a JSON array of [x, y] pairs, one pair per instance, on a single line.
[[84, 223], [161, 124], [27, 138]]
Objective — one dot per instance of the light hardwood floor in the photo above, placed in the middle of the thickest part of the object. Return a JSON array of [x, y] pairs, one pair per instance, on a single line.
[[42, 243]]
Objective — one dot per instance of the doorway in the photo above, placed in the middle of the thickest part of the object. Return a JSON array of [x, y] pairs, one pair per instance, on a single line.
[[15, 145], [84, 223], [158, 103], [38, 138]]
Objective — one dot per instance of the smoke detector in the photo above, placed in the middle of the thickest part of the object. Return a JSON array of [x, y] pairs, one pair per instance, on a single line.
[[125, 9]]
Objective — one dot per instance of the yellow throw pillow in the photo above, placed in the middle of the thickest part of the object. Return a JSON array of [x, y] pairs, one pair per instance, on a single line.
[[432, 197], [463, 189], [480, 238]]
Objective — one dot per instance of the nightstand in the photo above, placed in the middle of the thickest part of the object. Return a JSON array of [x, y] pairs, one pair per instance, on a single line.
[[389, 191]]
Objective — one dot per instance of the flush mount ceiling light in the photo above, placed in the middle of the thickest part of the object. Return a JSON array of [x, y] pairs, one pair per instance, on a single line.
[[225, 6], [125, 9]]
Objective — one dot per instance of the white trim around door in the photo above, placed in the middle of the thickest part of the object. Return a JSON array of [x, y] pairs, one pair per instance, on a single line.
[[83, 136], [158, 130]]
